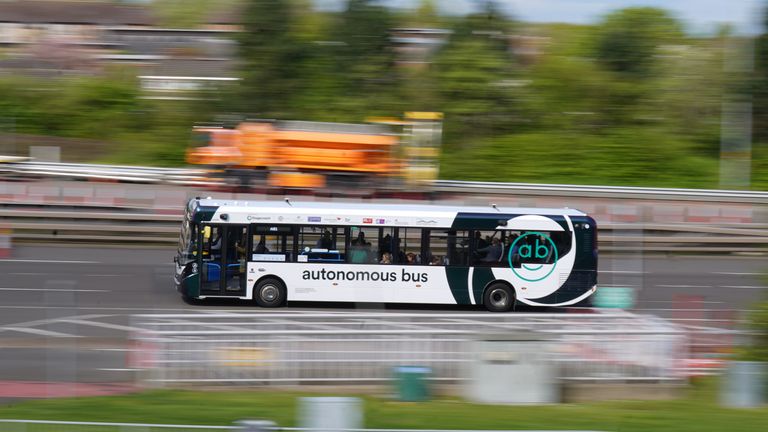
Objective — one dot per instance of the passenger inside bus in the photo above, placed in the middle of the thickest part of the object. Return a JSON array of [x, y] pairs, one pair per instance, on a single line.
[[491, 253], [325, 241], [261, 248], [360, 240]]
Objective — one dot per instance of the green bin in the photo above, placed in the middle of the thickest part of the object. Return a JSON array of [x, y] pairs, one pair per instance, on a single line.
[[411, 383]]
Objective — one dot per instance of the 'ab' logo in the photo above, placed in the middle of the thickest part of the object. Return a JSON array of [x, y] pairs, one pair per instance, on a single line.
[[533, 250]]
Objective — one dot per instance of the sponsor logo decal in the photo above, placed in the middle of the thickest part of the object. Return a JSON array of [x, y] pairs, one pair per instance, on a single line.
[[313, 219], [380, 221], [533, 248], [367, 220]]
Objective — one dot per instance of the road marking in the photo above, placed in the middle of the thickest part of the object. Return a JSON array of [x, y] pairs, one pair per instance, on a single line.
[[53, 289], [743, 287], [119, 369], [27, 274], [140, 309], [673, 301], [694, 310], [101, 324], [47, 261], [54, 320], [738, 273], [684, 286], [39, 332], [621, 271], [103, 275]]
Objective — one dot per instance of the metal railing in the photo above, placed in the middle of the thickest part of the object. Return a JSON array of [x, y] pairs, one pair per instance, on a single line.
[[132, 226], [196, 176], [300, 348]]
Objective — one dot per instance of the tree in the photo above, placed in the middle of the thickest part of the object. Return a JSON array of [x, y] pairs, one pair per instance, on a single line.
[[627, 40], [364, 55], [760, 84], [270, 56], [473, 77]]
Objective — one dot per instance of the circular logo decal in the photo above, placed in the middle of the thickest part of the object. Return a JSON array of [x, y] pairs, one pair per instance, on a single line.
[[533, 249]]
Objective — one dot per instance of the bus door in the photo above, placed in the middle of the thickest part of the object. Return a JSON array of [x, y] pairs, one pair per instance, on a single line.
[[223, 259]]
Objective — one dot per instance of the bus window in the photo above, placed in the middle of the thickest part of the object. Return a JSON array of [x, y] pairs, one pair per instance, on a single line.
[[488, 248], [447, 247], [387, 246], [212, 238], [322, 244], [272, 243], [360, 247], [409, 241]]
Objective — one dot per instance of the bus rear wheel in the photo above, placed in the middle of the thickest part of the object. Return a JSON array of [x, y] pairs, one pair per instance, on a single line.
[[498, 297], [269, 293]]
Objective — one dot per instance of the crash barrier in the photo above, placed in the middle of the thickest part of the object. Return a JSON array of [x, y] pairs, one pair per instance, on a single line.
[[360, 348], [238, 426], [84, 224], [199, 177]]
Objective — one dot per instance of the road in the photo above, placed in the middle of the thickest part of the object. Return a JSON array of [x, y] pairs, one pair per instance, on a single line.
[[65, 311]]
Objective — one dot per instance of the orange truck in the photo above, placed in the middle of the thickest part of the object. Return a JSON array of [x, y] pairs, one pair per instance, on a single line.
[[296, 154]]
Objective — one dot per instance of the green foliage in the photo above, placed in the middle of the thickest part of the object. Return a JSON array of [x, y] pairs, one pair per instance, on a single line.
[[760, 82], [757, 350], [269, 53], [613, 157], [627, 40], [473, 79], [630, 101], [188, 13], [696, 411]]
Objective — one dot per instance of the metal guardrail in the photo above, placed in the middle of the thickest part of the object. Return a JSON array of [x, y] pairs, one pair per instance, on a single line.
[[717, 195], [87, 225], [134, 174], [197, 177]]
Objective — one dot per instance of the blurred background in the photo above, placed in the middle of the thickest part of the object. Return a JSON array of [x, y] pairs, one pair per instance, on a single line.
[[621, 93], [650, 116]]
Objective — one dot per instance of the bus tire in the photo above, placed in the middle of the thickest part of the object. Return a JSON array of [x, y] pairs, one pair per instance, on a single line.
[[269, 293], [192, 301], [498, 297]]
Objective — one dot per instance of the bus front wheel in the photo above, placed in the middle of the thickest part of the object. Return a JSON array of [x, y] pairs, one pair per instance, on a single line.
[[498, 297], [269, 293]]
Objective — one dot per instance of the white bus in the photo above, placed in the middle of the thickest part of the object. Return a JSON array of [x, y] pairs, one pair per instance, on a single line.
[[273, 251]]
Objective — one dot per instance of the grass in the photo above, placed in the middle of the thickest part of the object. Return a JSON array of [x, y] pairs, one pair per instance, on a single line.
[[697, 411]]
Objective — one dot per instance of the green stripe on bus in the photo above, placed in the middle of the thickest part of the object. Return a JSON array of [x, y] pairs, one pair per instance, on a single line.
[[457, 281], [481, 277]]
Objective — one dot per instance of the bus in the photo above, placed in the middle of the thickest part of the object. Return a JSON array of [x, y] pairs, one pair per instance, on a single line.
[[271, 252]]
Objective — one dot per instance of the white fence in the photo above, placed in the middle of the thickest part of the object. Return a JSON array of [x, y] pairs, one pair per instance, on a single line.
[[303, 348]]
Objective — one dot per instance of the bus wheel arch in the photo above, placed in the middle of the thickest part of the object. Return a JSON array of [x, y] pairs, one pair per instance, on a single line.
[[270, 291], [499, 296]]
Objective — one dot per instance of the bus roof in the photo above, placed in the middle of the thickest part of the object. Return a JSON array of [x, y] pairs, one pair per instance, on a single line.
[[342, 213]]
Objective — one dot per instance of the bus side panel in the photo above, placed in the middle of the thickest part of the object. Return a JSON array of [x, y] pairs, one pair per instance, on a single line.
[[358, 282]]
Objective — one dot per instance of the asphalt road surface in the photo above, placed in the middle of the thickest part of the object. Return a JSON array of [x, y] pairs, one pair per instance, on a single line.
[[65, 311]]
